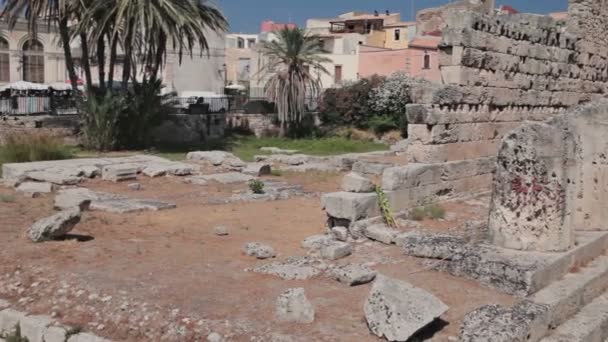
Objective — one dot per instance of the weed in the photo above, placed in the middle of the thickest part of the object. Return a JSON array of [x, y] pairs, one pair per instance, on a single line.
[[256, 186], [28, 147], [435, 211], [276, 173], [16, 336], [385, 208], [4, 198], [417, 214]]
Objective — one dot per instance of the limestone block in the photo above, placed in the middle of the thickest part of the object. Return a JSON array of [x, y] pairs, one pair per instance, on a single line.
[[227, 178], [293, 306], [354, 182], [396, 310], [9, 319], [35, 187], [215, 158], [85, 337], [350, 206], [381, 233], [34, 327], [55, 334], [120, 172], [257, 169], [59, 178], [353, 275], [370, 168], [54, 226], [528, 209], [336, 250]]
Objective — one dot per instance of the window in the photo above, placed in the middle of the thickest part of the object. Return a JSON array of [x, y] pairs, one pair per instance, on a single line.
[[33, 61], [250, 43], [427, 61], [5, 69], [338, 74], [240, 43], [397, 34]]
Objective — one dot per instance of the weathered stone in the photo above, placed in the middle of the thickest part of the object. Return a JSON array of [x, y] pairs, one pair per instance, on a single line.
[[216, 158], [336, 250], [89, 171], [85, 337], [4, 304], [259, 250], [34, 327], [55, 334], [35, 187], [381, 233], [174, 169], [220, 230], [127, 205], [276, 150], [226, 178], [397, 310], [214, 337], [257, 169], [353, 275], [311, 167], [353, 182], [79, 197], [495, 323], [55, 226], [9, 320], [317, 241], [294, 268], [120, 172], [350, 206], [293, 306], [134, 186], [340, 233], [371, 168], [58, 178]]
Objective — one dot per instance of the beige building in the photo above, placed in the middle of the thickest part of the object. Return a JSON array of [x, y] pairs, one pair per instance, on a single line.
[[240, 50], [24, 57]]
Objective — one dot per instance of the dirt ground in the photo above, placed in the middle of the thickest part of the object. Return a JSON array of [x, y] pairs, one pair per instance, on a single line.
[[165, 275]]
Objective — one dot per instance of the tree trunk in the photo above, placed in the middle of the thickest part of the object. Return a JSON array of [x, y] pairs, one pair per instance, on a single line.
[[126, 70], [101, 62], [159, 57], [113, 54], [86, 61], [67, 51]]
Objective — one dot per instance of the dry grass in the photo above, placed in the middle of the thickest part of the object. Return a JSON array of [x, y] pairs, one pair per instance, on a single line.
[[27, 147]]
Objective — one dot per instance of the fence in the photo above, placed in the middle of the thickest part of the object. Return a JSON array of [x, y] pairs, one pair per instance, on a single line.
[[230, 104], [25, 105]]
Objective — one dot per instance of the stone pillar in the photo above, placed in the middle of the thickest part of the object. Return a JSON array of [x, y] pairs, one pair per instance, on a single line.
[[528, 209]]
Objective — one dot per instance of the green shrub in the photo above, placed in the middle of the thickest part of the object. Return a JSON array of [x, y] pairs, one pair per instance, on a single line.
[[27, 147], [382, 124], [276, 173], [259, 107], [417, 214], [7, 198], [385, 208], [256, 186], [435, 211], [102, 112]]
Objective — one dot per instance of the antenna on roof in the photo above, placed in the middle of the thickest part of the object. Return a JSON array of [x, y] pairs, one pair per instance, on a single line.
[[376, 13], [388, 12]]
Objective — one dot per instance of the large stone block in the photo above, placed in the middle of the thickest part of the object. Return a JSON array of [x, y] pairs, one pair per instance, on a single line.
[[350, 206]]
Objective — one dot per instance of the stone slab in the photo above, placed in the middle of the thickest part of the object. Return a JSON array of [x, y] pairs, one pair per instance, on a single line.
[[226, 178], [9, 319], [35, 187], [34, 327], [350, 206], [589, 325], [103, 201]]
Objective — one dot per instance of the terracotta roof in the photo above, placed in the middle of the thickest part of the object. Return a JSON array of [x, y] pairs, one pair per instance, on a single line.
[[508, 9], [428, 42]]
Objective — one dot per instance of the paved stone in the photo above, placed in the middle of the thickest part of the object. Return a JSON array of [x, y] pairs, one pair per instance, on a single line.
[[317, 241], [9, 319], [340, 233], [259, 250], [57, 178], [54, 226], [293, 268], [34, 327], [120, 172], [79, 197], [174, 169], [127, 205], [336, 250], [354, 182], [220, 230], [381, 233], [353, 275], [35, 187], [396, 310], [276, 150], [293, 306], [89, 171]]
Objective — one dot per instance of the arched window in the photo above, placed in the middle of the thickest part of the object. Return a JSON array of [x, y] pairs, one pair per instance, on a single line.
[[33, 61], [427, 61], [240, 43], [5, 67]]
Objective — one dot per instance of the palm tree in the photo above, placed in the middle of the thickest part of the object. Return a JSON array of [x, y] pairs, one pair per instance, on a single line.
[[146, 28], [53, 12], [293, 54]]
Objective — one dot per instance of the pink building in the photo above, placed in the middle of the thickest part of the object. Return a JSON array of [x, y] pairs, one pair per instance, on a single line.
[[268, 26], [420, 59]]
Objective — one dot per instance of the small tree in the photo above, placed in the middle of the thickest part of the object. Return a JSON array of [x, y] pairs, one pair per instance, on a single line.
[[293, 54]]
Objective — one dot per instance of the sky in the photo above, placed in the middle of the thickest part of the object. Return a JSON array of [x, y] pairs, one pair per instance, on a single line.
[[245, 16]]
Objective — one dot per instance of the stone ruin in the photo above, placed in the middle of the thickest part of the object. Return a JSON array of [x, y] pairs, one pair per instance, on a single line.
[[498, 71]]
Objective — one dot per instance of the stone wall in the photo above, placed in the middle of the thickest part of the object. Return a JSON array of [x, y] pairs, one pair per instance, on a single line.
[[497, 72], [259, 124], [189, 129], [65, 126]]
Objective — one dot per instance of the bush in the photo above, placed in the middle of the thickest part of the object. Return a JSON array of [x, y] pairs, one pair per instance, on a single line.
[[256, 186], [27, 147], [7, 198], [125, 119], [382, 124], [259, 107], [433, 211]]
